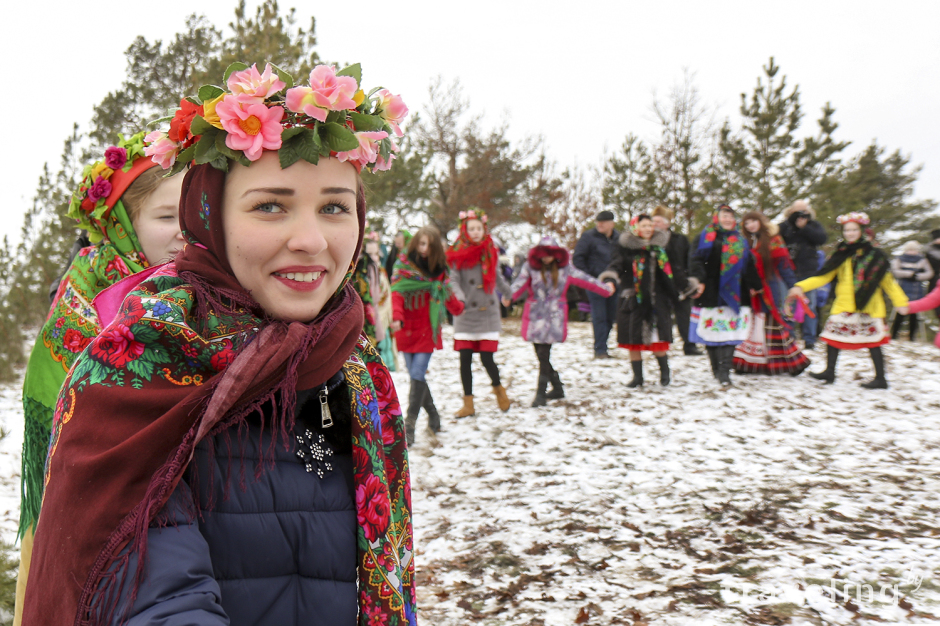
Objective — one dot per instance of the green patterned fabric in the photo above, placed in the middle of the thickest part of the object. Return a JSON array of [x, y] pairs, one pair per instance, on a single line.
[[71, 325]]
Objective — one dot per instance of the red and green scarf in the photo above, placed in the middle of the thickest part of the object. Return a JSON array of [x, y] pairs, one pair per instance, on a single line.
[[70, 326], [778, 254], [193, 356], [417, 287], [464, 254]]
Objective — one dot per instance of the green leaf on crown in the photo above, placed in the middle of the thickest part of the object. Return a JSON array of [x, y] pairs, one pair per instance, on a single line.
[[284, 76], [199, 126], [309, 146], [354, 70], [161, 120], [292, 132], [367, 122], [237, 66], [338, 138], [183, 160], [287, 154], [206, 150], [208, 92], [192, 100]]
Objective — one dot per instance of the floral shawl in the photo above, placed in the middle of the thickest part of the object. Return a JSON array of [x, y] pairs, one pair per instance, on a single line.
[[70, 326], [869, 266], [734, 253], [194, 356]]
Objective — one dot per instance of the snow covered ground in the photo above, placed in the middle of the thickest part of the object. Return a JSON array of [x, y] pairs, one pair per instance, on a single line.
[[664, 505]]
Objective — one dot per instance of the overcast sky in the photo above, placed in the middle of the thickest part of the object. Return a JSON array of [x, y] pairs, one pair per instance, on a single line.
[[580, 74]]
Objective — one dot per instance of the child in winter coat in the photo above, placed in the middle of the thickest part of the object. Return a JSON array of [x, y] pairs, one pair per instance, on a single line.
[[420, 292], [474, 277], [545, 279], [857, 317], [911, 269], [649, 290], [722, 316], [769, 349]]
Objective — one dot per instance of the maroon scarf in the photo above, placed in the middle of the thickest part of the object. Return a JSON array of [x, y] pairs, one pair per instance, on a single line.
[[112, 469]]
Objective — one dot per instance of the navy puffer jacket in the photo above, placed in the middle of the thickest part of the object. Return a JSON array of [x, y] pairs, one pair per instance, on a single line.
[[278, 551]]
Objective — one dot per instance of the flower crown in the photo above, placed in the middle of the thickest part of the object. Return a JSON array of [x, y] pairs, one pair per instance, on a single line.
[[856, 216], [103, 182], [265, 111], [473, 214]]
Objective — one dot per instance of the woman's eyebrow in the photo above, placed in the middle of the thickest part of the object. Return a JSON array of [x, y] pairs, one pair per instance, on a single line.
[[338, 190], [278, 191]]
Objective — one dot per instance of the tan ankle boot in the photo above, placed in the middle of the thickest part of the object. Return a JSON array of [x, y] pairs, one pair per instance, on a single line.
[[467, 409], [501, 398]]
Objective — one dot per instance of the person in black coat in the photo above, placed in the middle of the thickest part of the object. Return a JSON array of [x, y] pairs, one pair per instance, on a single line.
[[592, 256], [649, 287], [678, 250], [803, 236]]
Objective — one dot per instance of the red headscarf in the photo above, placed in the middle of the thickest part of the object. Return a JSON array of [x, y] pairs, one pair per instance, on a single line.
[[464, 254]]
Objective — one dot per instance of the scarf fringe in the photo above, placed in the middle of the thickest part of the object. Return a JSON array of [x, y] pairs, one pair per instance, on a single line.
[[35, 448]]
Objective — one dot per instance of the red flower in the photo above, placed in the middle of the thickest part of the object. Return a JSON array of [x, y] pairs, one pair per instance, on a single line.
[[733, 259], [179, 126], [60, 322], [74, 341], [116, 346], [116, 264], [132, 310], [222, 359], [710, 236], [362, 464], [372, 507]]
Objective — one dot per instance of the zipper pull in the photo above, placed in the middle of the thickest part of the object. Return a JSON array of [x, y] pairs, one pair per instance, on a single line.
[[325, 417]]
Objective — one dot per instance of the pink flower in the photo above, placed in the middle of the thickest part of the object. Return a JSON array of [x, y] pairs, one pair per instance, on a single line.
[[392, 109], [250, 87], [368, 150], [251, 128], [101, 189], [462, 215], [161, 150], [115, 157], [327, 92]]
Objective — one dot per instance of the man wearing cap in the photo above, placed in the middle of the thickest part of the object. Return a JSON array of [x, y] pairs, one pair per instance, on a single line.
[[803, 235], [592, 255], [932, 252], [678, 252]]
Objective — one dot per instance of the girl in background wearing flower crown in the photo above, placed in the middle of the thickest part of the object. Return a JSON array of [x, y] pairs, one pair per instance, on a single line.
[[421, 291], [769, 349], [232, 403], [383, 303], [860, 271], [545, 279], [131, 213], [640, 267], [720, 319], [474, 278]]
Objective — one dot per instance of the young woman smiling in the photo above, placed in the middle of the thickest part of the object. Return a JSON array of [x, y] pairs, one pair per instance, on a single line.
[[233, 395]]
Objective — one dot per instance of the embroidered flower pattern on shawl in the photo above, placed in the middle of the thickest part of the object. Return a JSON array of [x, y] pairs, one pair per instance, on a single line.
[[734, 254]]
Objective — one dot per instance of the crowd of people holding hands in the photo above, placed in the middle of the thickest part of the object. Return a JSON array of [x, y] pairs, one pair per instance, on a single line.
[[213, 376]]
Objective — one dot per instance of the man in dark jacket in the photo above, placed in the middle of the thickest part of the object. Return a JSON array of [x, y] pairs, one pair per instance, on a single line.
[[803, 235], [592, 255], [678, 252]]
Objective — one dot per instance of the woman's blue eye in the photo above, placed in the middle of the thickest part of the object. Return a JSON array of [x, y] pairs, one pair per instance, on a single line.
[[269, 207], [334, 209]]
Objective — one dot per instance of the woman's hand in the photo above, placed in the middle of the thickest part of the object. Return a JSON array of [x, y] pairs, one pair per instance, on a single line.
[[610, 289], [506, 302], [903, 310], [699, 291], [396, 326], [789, 304], [795, 292]]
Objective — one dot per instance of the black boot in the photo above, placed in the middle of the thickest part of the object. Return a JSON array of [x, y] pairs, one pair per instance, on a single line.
[[713, 358], [829, 375], [415, 400], [434, 418], [663, 370], [690, 349], [557, 390], [540, 392], [878, 358], [896, 326], [725, 357], [637, 374]]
